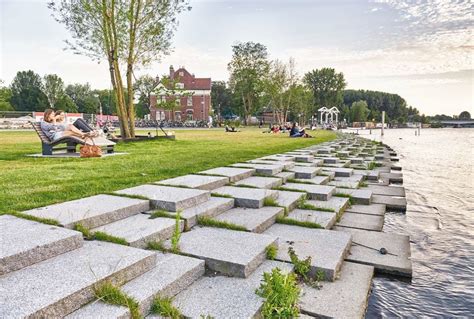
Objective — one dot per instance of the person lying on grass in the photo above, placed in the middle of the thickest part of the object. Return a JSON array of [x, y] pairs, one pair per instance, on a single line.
[[297, 132], [55, 131], [79, 124]]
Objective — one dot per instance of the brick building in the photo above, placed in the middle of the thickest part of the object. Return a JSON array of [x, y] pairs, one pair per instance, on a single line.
[[194, 106]]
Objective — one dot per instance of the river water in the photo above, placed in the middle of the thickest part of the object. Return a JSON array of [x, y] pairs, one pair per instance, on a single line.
[[438, 176]]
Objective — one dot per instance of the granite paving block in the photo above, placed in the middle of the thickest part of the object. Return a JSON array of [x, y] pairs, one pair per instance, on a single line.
[[339, 171], [24, 242], [264, 169], [304, 158], [338, 204], [286, 164], [326, 247], [356, 160], [226, 297], [362, 221], [345, 184], [196, 181], [345, 298], [289, 200], [213, 207], [392, 203], [319, 192], [261, 182], [254, 220], [372, 209], [230, 252], [280, 157], [318, 180], [139, 230], [62, 284], [331, 160], [305, 172], [246, 197], [233, 173], [360, 196], [398, 191], [366, 247], [306, 164], [353, 178], [170, 275], [168, 198], [325, 219], [285, 176], [91, 211], [395, 178]]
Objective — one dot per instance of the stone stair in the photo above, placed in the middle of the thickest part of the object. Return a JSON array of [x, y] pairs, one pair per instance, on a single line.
[[254, 220], [246, 197]]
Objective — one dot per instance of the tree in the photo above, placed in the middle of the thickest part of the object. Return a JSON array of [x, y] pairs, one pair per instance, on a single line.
[[125, 33], [465, 115], [300, 108], [359, 111], [53, 88], [248, 69], [66, 104], [145, 86], [221, 99], [27, 94], [83, 97], [327, 87], [5, 97]]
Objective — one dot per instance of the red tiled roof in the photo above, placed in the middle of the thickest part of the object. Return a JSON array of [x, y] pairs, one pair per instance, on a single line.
[[193, 83]]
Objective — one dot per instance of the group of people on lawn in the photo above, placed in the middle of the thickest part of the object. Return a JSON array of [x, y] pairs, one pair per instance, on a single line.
[[54, 126], [294, 130]]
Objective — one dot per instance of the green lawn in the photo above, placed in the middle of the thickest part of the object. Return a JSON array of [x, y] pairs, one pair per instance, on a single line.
[[27, 182]]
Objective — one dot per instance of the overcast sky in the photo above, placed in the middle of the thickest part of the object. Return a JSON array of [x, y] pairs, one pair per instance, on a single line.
[[422, 50]]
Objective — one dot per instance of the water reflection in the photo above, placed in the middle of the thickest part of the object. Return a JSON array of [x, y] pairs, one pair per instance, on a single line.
[[438, 176]]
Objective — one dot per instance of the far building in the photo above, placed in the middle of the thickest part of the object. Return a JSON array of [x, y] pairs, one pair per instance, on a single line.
[[195, 106]]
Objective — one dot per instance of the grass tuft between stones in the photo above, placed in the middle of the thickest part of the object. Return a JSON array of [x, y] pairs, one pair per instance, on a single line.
[[47, 221], [176, 234], [101, 236], [271, 251], [127, 195], [307, 206], [211, 222], [156, 245], [294, 222], [163, 306], [221, 195], [111, 294], [161, 213]]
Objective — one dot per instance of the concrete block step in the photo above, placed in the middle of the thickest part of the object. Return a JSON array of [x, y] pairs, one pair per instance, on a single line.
[[62, 284], [289, 200], [139, 230], [318, 180], [285, 176], [360, 196], [302, 157], [356, 160], [25, 242], [260, 182], [353, 178], [366, 247], [319, 192], [168, 198], [91, 211], [393, 178], [338, 204], [305, 172], [345, 184], [307, 164], [391, 202], [347, 297], [230, 252], [254, 220], [331, 160], [247, 197], [264, 169], [398, 191], [325, 219], [372, 209], [279, 157], [226, 297], [327, 248], [233, 173], [339, 171], [213, 207], [286, 164], [371, 175], [170, 275], [361, 221], [196, 181]]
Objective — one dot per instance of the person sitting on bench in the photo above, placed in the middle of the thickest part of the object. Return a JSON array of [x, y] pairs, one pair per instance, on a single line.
[[54, 131], [79, 124]]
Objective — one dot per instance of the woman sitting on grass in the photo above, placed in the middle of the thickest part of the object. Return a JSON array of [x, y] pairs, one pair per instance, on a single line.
[[54, 130], [296, 132]]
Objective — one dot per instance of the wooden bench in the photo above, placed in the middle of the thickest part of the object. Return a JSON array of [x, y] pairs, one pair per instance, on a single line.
[[48, 146]]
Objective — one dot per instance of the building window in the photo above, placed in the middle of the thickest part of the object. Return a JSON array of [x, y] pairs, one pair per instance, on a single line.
[[181, 73], [189, 115], [180, 86], [190, 101], [177, 116]]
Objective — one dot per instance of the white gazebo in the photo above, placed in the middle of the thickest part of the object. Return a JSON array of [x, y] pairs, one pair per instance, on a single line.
[[326, 113]]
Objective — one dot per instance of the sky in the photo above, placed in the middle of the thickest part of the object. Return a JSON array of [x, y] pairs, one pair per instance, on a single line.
[[422, 50]]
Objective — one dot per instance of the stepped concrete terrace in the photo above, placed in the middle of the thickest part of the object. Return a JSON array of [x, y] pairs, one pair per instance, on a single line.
[[286, 164], [91, 211], [264, 169], [24, 242], [338, 204], [318, 192], [361, 221], [326, 247], [254, 220], [318, 180], [168, 198], [196, 181], [305, 172], [392, 202], [339, 171], [323, 218], [233, 173], [289, 200], [260, 182], [285, 176], [230, 252], [360, 196], [246, 197]]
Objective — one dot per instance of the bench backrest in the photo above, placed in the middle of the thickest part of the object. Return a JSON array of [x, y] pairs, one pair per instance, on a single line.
[[39, 131]]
